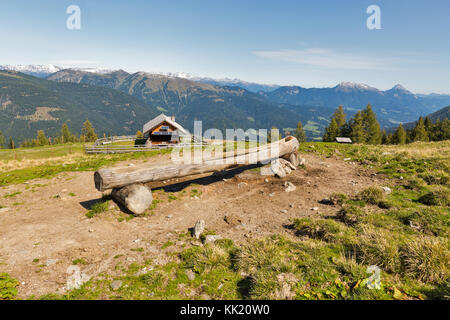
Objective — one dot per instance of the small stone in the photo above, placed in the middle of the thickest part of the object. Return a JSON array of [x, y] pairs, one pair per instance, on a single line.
[[51, 262], [190, 274], [315, 209], [277, 168], [401, 177], [116, 284], [169, 216], [91, 230], [271, 194], [2, 210], [210, 238], [291, 205], [347, 159], [199, 228], [289, 186], [266, 180], [137, 240], [283, 211], [387, 190], [302, 162]]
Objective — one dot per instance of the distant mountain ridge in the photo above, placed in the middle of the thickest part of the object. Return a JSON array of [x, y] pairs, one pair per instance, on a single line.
[[440, 115], [392, 106]]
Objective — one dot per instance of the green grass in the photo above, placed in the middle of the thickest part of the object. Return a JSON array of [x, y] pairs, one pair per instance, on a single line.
[[98, 207], [50, 168], [404, 233], [8, 287]]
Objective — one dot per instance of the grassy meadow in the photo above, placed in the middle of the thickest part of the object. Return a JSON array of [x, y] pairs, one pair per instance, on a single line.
[[405, 233]]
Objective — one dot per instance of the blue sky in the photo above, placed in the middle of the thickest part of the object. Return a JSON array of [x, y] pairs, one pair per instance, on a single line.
[[308, 43]]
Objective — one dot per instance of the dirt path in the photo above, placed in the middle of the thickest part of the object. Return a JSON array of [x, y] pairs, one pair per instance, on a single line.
[[47, 219]]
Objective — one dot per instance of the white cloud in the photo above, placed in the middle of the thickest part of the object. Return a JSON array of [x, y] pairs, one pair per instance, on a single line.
[[322, 57]]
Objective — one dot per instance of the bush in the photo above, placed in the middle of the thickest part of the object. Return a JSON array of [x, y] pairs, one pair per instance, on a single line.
[[438, 197], [8, 287], [338, 198], [350, 215], [426, 259], [323, 229], [371, 195], [377, 247]]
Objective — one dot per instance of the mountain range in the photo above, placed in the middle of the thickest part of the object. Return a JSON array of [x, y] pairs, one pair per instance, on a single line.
[[119, 102]]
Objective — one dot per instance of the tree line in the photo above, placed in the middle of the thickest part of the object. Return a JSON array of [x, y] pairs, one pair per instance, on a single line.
[[364, 128], [87, 135]]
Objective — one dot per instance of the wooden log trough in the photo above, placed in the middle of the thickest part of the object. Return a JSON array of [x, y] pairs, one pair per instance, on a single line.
[[137, 200]]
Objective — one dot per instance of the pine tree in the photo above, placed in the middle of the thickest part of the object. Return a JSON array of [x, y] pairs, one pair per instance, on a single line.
[[300, 133], [66, 136], [419, 133], [2, 140], [88, 132], [11, 144], [399, 136], [41, 138], [340, 118], [357, 132], [371, 126], [384, 137], [331, 132]]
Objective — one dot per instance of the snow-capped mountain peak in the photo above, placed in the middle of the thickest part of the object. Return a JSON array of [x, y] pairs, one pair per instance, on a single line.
[[349, 86], [38, 70]]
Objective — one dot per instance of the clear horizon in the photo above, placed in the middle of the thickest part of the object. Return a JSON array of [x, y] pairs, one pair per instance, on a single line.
[[302, 43]]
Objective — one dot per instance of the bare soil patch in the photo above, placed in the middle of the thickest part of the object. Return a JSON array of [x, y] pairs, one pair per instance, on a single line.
[[46, 229]]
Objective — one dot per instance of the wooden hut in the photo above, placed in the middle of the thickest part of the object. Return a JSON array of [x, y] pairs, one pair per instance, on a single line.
[[163, 130]]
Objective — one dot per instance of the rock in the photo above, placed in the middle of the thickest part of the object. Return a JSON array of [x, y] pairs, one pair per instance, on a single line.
[[315, 209], [116, 284], [76, 278], [271, 194], [136, 197], [2, 210], [91, 230], [210, 238], [289, 186], [199, 228], [51, 262], [277, 168], [401, 177], [283, 211], [266, 180], [190, 274], [302, 162], [294, 159], [347, 159], [169, 216], [287, 164], [387, 190]]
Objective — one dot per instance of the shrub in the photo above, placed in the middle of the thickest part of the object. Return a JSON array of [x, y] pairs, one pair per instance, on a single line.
[[323, 229], [8, 287], [338, 198], [438, 197], [377, 247], [97, 208], [426, 259], [350, 215], [371, 195]]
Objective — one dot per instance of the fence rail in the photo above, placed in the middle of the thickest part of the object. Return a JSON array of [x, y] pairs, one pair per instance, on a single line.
[[127, 149]]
